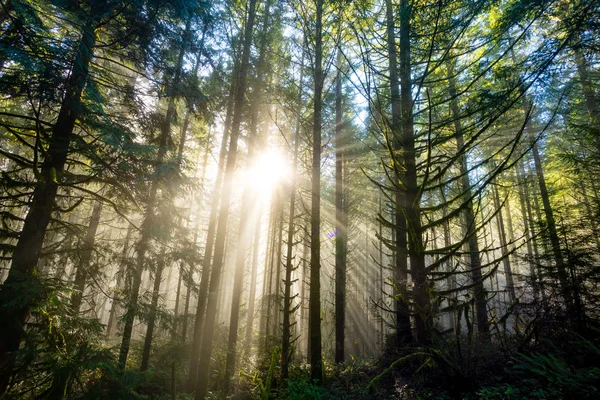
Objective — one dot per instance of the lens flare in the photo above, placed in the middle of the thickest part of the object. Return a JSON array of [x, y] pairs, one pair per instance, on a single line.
[[269, 169]]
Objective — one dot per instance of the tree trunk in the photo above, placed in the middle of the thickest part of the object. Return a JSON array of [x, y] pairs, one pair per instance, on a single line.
[[177, 300], [381, 281], [246, 210], [563, 278], [277, 264], [252, 295], [86, 257], [535, 237], [268, 274], [451, 280], [148, 224], [403, 328], [112, 316], [340, 219], [510, 286], [209, 247], [289, 267], [423, 317], [470, 226], [314, 311], [303, 317], [153, 309], [219, 252], [28, 249], [528, 235]]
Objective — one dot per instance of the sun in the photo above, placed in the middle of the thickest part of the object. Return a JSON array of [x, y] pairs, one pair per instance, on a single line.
[[269, 169]]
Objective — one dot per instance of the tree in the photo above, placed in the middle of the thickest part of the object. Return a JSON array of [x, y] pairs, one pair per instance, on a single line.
[[240, 88], [314, 311], [13, 314]]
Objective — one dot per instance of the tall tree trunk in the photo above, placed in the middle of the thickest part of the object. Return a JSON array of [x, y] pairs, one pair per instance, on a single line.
[[246, 209], [112, 316], [86, 256], [403, 328], [190, 278], [277, 264], [561, 268], [381, 281], [289, 267], [528, 235], [535, 237], [316, 361], [340, 219], [28, 248], [423, 317], [286, 337], [209, 247], [451, 279], [274, 271], [303, 317], [219, 252], [148, 224], [153, 310], [470, 227], [268, 274], [510, 285], [190, 281], [177, 300], [252, 295]]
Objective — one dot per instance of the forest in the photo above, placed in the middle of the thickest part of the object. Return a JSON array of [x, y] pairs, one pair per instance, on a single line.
[[300, 199]]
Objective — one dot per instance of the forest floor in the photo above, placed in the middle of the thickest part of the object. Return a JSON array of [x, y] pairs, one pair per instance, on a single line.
[[356, 380]]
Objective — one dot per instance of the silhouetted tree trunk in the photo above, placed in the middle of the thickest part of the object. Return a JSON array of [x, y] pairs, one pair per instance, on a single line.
[[86, 256], [209, 247], [451, 279], [31, 238], [149, 216], [112, 316], [274, 271], [403, 328], [252, 295], [277, 264], [470, 223], [219, 252], [246, 209], [268, 275], [314, 310], [153, 310], [561, 268], [286, 336], [510, 285], [303, 297], [423, 317], [340, 221], [381, 282]]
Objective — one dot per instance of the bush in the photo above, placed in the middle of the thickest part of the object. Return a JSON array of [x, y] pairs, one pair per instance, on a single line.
[[545, 376]]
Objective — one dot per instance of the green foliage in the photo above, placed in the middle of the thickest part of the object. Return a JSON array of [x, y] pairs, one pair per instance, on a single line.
[[302, 389], [62, 352], [266, 389], [545, 376]]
